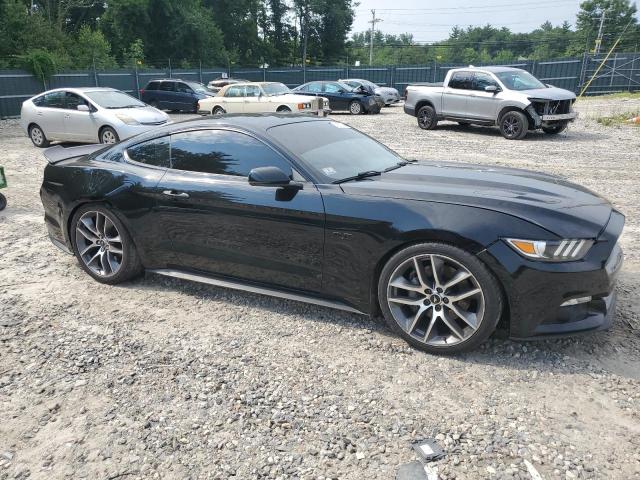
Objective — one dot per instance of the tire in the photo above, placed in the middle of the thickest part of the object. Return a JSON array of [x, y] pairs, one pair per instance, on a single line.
[[3, 202], [37, 136], [514, 125], [108, 136], [555, 129], [108, 266], [427, 118], [355, 108], [218, 111], [420, 311], [283, 109]]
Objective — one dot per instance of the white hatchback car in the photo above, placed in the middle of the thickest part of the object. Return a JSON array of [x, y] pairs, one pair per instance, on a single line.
[[262, 97], [87, 115]]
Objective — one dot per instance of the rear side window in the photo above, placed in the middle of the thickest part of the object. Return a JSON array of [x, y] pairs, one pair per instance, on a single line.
[[153, 152], [315, 87], [39, 101], [152, 86], [167, 86], [235, 92], [222, 152], [54, 100], [461, 80]]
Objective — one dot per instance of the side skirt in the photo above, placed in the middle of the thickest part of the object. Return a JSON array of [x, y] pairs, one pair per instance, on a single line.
[[236, 285]]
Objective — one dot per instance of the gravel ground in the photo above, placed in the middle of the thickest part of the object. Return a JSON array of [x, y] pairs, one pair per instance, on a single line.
[[161, 378]]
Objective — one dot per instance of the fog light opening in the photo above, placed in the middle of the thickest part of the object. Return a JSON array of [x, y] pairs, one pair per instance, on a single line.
[[576, 301]]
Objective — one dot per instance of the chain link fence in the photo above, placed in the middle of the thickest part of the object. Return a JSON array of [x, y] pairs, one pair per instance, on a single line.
[[620, 72]]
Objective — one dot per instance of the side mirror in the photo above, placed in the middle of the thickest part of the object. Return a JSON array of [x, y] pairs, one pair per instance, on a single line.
[[83, 108], [491, 89], [271, 177]]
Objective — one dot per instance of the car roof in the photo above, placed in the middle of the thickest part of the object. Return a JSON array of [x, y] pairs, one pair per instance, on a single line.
[[492, 69], [81, 90]]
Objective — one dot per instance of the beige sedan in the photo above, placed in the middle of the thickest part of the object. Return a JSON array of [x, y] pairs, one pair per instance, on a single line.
[[261, 97]]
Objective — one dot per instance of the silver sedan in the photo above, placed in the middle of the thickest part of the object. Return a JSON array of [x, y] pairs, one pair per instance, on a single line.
[[87, 115]]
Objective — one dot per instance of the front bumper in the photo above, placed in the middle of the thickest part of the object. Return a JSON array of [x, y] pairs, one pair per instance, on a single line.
[[562, 116], [541, 295]]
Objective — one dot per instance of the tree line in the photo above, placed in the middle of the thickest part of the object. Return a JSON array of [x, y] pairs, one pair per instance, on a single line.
[[45, 35]]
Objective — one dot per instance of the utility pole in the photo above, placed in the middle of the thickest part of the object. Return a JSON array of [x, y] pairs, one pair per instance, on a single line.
[[599, 39], [373, 22]]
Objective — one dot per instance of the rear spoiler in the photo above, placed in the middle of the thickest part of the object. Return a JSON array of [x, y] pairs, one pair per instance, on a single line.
[[58, 153]]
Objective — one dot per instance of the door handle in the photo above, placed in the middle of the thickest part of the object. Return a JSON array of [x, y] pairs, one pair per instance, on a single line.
[[173, 193]]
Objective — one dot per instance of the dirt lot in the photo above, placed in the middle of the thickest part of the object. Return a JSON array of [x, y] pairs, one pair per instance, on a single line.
[[168, 379]]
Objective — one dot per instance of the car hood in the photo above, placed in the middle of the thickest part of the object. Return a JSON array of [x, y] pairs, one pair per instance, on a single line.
[[386, 90], [551, 93], [292, 98], [146, 114], [561, 207]]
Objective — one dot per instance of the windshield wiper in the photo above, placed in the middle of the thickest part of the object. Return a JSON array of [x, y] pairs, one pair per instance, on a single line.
[[399, 164], [359, 176]]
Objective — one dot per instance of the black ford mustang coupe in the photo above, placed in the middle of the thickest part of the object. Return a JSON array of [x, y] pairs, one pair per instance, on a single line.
[[312, 210]]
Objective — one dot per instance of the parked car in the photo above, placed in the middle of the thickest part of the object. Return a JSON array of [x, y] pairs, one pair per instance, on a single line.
[[342, 97], [3, 184], [389, 95], [216, 85], [174, 94], [261, 97], [510, 98], [86, 115], [312, 210]]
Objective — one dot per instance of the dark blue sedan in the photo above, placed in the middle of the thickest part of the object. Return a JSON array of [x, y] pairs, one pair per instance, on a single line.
[[174, 94], [343, 97]]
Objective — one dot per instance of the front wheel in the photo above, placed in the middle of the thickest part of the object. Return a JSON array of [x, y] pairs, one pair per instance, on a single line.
[[355, 108], [555, 129], [427, 118], [103, 246], [108, 136], [439, 298], [514, 125]]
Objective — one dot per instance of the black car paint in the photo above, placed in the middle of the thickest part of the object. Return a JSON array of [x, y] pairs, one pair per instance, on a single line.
[[341, 100], [172, 99], [331, 241]]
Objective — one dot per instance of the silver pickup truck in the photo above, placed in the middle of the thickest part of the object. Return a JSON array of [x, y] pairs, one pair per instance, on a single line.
[[510, 98]]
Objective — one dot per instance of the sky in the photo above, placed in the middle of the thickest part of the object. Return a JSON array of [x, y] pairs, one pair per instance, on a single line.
[[431, 21]]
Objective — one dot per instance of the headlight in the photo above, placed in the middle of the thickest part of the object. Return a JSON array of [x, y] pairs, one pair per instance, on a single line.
[[304, 106], [551, 250], [126, 119]]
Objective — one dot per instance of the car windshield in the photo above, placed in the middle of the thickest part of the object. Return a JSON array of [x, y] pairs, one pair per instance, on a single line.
[[519, 80], [275, 89], [334, 151], [197, 87], [114, 99]]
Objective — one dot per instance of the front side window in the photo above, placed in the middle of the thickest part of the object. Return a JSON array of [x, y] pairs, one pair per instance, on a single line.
[[183, 88], [461, 80], [167, 86], [222, 152], [252, 91], [332, 88], [482, 80], [72, 101], [152, 152], [333, 150]]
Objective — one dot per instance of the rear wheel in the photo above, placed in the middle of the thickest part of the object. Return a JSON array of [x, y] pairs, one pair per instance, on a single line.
[[3, 202], [555, 129], [218, 111], [355, 108], [439, 298], [427, 119], [514, 125], [103, 246], [283, 109], [38, 137], [108, 135]]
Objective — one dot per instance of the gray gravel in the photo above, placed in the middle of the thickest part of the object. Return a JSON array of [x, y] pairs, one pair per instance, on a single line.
[[167, 379]]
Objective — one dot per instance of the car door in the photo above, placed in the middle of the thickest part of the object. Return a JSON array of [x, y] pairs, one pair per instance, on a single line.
[[185, 96], [167, 96], [254, 101], [455, 95], [79, 125], [338, 98], [50, 115], [234, 99], [220, 224], [482, 104]]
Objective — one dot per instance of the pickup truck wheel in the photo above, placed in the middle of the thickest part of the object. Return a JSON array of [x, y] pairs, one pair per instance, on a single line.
[[514, 125], [554, 129], [427, 119]]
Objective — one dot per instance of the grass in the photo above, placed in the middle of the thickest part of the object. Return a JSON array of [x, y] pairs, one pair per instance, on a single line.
[[627, 95], [619, 119]]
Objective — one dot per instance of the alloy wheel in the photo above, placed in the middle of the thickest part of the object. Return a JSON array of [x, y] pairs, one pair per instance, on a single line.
[[435, 299], [99, 243], [36, 135], [511, 125], [108, 137], [355, 108], [425, 117]]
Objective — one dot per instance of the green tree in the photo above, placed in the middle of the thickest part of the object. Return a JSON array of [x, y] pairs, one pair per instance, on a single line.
[[619, 14], [92, 49], [134, 55]]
